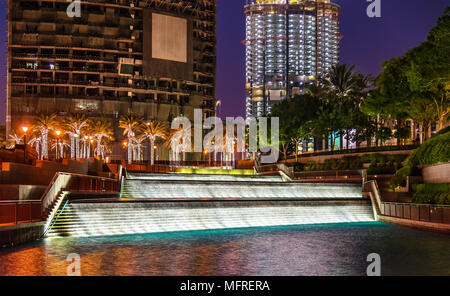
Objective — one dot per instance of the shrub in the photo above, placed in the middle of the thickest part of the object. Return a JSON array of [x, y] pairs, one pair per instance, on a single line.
[[399, 178], [432, 194], [435, 150]]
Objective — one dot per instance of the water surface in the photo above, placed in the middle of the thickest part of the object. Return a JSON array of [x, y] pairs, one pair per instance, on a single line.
[[337, 249]]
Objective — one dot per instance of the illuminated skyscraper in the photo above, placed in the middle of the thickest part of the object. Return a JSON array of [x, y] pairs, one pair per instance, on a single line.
[[289, 43]]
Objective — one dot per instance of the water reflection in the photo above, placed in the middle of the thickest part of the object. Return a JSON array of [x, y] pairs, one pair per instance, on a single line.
[[339, 249]]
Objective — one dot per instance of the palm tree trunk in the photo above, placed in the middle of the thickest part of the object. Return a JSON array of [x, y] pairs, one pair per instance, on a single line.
[[72, 146], [61, 147], [38, 150], [152, 152], [99, 146], [348, 137], [44, 144], [77, 147], [130, 150], [420, 133]]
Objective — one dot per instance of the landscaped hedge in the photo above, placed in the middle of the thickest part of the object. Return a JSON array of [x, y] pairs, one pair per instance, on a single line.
[[438, 194], [435, 150], [379, 163], [358, 150]]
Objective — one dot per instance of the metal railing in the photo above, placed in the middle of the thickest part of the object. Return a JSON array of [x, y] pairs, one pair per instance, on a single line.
[[409, 211], [70, 182], [417, 212], [19, 212]]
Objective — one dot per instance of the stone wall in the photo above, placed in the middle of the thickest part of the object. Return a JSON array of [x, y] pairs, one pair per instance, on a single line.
[[439, 173], [43, 172], [21, 192], [20, 234]]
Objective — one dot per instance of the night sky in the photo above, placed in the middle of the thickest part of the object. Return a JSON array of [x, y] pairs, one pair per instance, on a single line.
[[367, 42]]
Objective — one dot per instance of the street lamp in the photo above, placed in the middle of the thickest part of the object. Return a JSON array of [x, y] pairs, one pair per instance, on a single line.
[[58, 133], [125, 145], [25, 130]]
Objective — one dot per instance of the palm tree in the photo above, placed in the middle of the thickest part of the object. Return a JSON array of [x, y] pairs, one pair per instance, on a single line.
[[100, 128], [139, 144], [43, 123], [36, 141], [177, 142], [16, 139], [74, 125], [59, 145], [341, 80], [130, 125], [152, 131]]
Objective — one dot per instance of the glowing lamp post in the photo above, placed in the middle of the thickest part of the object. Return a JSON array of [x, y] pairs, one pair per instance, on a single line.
[[25, 130], [58, 133], [125, 145]]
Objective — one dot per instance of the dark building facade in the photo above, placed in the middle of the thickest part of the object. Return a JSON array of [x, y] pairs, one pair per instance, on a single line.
[[155, 59]]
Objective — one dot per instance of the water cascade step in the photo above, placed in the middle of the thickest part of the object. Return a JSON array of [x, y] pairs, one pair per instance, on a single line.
[[235, 187], [100, 219], [152, 203]]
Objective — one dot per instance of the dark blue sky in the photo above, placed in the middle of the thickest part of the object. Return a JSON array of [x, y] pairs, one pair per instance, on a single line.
[[367, 42]]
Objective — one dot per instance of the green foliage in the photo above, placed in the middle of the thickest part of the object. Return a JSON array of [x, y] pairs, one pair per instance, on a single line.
[[383, 134], [402, 133], [435, 150], [399, 179], [416, 85], [379, 163], [443, 131], [432, 194]]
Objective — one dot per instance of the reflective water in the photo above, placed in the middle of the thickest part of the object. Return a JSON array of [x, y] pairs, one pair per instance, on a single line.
[[338, 249]]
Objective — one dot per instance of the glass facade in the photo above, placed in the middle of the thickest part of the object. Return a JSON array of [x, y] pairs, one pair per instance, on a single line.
[[288, 45]]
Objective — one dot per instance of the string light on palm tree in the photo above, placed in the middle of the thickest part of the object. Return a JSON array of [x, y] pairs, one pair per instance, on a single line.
[[130, 125], [75, 126], [100, 129], [85, 146], [36, 142], [43, 123], [16, 139], [152, 131]]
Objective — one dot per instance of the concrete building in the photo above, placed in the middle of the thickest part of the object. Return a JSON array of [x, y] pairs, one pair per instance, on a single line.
[[3, 136], [289, 44], [152, 58]]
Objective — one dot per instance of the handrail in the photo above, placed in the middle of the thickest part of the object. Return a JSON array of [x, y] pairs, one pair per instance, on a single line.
[[376, 192], [49, 194], [415, 204], [286, 170], [60, 181]]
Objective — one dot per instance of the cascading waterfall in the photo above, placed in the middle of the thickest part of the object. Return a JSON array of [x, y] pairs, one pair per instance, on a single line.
[[154, 203]]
